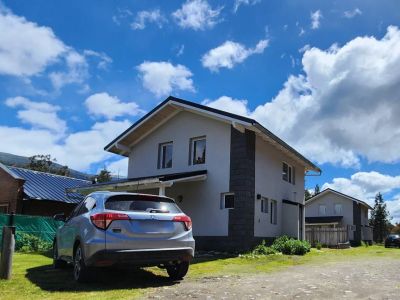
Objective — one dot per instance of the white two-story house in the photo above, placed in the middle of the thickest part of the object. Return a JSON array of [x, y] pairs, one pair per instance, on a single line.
[[237, 181], [332, 209]]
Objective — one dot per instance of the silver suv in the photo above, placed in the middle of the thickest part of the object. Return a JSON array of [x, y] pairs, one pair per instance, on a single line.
[[114, 229]]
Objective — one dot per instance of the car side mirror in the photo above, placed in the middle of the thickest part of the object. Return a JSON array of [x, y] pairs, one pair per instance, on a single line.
[[59, 217]]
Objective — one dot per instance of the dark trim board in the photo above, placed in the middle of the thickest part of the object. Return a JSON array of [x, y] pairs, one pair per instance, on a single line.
[[291, 202]]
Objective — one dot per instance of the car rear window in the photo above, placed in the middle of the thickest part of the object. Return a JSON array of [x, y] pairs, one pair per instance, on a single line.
[[142, 203]]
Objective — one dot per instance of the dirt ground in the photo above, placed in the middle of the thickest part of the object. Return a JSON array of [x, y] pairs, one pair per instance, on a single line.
[[376, 278]]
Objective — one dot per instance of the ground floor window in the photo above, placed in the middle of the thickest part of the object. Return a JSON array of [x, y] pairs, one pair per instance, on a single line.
[[228, 200], [274, 211], [264, 205]]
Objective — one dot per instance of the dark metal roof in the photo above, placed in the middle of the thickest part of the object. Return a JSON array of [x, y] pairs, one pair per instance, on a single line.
[[46, 186], [223, 113], [327, 219]]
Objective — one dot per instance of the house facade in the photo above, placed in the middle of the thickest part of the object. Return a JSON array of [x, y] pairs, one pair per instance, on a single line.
[[237, 181], [28, 192], [332, 209]]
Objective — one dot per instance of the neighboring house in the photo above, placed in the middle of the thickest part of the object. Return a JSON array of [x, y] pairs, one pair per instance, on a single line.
[[237, 181], [28, 192], [332, 209]]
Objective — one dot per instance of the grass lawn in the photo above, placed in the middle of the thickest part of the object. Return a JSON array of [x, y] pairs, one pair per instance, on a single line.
[[34, 278]]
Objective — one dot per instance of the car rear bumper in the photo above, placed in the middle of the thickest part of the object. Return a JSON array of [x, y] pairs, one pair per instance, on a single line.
[[143, 257]]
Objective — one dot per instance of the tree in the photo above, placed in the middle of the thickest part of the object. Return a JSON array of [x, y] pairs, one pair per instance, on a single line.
[[307, 194], [104, 175], [44, 163], [316, 189], [379, 219]]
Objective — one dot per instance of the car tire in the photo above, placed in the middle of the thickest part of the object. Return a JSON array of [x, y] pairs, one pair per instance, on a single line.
[[81, 271], [57, 263], [178, 270]]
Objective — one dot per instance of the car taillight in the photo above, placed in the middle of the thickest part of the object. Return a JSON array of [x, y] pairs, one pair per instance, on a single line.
[[185, 219], [103, 220]]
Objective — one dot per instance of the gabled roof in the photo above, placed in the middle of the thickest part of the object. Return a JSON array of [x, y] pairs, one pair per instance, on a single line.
[[46, 186], [171, 106], [329, 190]]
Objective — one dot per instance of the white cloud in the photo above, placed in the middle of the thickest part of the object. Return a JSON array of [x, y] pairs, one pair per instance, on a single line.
[[161, 78], [365, 185], [349, 14], [104, 105], [40, 115], [104, 59], [118, 167], [78, 150], [235, 106], [148, 16], [229, 54], [346, 104], [122, 13], [197, 15], [77, 71], [238, 3], [315, 19], [181, 50], [26, 48]]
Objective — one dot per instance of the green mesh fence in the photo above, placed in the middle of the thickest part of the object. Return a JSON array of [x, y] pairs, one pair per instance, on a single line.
[[42, 227]]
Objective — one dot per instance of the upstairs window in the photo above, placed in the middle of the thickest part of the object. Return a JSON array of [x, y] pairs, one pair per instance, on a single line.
[[338, 209], [165, 155], [322, 210], [198, 151], [288, 173]]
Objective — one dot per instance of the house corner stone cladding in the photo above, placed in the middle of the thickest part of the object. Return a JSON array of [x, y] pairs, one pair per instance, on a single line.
[[242, 184]]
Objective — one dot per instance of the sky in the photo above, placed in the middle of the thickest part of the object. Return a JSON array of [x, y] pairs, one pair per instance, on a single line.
[[322, 75]]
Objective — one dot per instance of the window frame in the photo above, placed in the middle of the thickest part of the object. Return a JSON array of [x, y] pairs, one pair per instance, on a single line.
[[274, 212], [291, 173], [160, 163], [192, 149], [341, 208], [319, 209], [264, 205], [223, 200]]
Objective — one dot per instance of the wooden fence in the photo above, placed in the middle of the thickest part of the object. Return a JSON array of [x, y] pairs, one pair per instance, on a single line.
[[330, 237]]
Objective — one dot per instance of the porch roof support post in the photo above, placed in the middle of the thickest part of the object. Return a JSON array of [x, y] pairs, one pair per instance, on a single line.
[[161, 190]]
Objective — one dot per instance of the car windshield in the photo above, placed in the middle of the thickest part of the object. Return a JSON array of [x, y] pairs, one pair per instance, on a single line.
[[395, 236], [153, 204]]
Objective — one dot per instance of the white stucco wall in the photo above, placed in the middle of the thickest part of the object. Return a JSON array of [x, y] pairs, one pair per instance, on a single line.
[[201, 200], [269, 184]]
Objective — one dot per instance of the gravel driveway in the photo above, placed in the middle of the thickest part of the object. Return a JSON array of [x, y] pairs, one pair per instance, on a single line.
[[377, 278]]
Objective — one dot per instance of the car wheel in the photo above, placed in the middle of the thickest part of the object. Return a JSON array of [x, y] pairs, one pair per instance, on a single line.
[[81, 272], [57, 263], [178, 270]]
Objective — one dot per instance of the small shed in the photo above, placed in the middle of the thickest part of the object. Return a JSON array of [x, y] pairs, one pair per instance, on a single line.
[[29, 192]]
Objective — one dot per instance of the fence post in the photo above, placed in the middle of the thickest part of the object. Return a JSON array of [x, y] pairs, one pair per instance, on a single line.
[[8, 245]]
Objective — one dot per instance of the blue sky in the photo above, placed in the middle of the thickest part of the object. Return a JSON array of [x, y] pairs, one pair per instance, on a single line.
[[322, 75]]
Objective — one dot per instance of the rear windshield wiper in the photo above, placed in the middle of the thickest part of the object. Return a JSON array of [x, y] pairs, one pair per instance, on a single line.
[[158, 211]]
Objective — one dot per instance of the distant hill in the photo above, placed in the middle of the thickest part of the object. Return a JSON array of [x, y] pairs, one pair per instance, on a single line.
[[22, 161]]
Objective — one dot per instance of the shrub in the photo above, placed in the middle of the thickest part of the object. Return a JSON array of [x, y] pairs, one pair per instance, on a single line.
[[262, 249], [31, 243], [364, 244], [318, 246], [290, 246], [279, 243]]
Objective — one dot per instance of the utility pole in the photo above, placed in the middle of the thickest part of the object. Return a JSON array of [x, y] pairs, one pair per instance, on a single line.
[[7, 251]]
